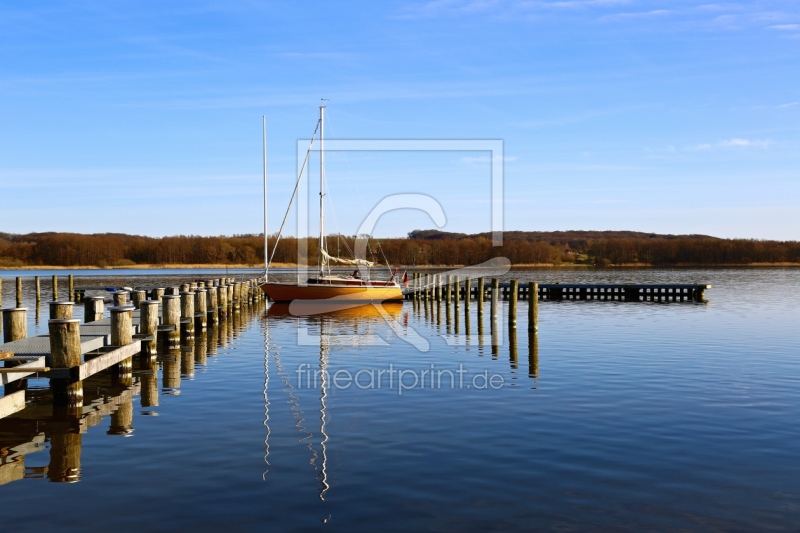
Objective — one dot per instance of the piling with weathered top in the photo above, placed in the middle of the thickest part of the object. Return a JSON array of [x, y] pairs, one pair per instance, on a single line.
[[171, 316], [138, 296], [213, 311], [15, 324], [187, 314], [38, 285], [223, 302], [19, 291], [121, 298], [148, 324], [200, 306], [93, 308], [60, 309], [65, 352], [122, 335], [121, 325], [71, 294]]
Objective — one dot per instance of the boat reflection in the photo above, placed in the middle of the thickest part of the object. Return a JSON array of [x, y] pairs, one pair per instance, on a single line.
[[336, 323]]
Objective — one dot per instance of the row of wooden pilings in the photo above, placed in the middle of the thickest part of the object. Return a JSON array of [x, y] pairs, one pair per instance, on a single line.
[[184, 310], [435, 287], [72, 294]]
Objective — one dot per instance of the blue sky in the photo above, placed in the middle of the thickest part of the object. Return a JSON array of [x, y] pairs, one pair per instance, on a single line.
[[145, 117]]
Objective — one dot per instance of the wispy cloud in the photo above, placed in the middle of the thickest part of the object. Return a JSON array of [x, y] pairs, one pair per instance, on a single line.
[[636, 15], [785, 27], [734, 143]]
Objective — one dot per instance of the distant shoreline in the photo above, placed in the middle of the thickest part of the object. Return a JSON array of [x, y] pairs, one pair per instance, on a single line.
[[415, 267]]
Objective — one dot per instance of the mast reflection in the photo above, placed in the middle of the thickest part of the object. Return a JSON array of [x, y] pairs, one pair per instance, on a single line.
[[338, 324]]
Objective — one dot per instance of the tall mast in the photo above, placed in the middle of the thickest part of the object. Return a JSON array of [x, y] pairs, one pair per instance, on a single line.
[[321, 186], [266, 246]]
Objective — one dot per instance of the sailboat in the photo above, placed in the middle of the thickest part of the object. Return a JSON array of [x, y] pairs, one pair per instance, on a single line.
[[327, 286]]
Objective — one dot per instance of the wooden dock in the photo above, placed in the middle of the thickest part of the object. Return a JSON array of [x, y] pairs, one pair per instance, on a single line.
[[73, 352]]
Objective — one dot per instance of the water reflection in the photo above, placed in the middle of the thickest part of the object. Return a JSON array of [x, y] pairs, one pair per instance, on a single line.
[[341, 324]]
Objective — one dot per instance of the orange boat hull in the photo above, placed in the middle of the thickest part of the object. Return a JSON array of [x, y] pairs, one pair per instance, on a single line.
[[288, 292]]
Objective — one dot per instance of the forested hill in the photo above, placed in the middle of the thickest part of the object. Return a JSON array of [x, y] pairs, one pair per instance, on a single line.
[[421, 247], [575, 239]]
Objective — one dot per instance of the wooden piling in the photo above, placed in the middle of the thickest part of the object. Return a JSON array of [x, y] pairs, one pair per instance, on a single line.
[[122, 335], [71, 281], [121, 298], [19, 291], [533, 306], [223, 302], [65, 352], [38, 284], [60, 309], [201, 311], [121, 325], [187, 314], [93, 308], [171, 316], [512, 304], [479, 295], [15, 324], [148, 325], [137, 297], [213, 305]]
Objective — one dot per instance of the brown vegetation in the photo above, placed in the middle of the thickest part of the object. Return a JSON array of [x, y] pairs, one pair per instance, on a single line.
[[428, 247]]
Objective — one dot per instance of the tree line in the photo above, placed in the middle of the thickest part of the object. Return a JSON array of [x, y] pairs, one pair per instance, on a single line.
[[420, 247]]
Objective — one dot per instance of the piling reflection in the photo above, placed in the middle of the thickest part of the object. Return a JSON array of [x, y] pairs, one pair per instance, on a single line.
[[65, 458], [512, 347], [187, 359], [171, 371], [149, 384], [533, 355]]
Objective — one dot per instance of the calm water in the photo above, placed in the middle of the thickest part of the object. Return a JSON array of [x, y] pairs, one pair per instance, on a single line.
[[619, 416]]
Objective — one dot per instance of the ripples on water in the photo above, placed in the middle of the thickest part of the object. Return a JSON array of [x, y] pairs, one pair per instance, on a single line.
[[618, 416]]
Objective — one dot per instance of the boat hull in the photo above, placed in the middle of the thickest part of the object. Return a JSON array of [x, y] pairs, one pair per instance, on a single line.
[[289, 292]]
